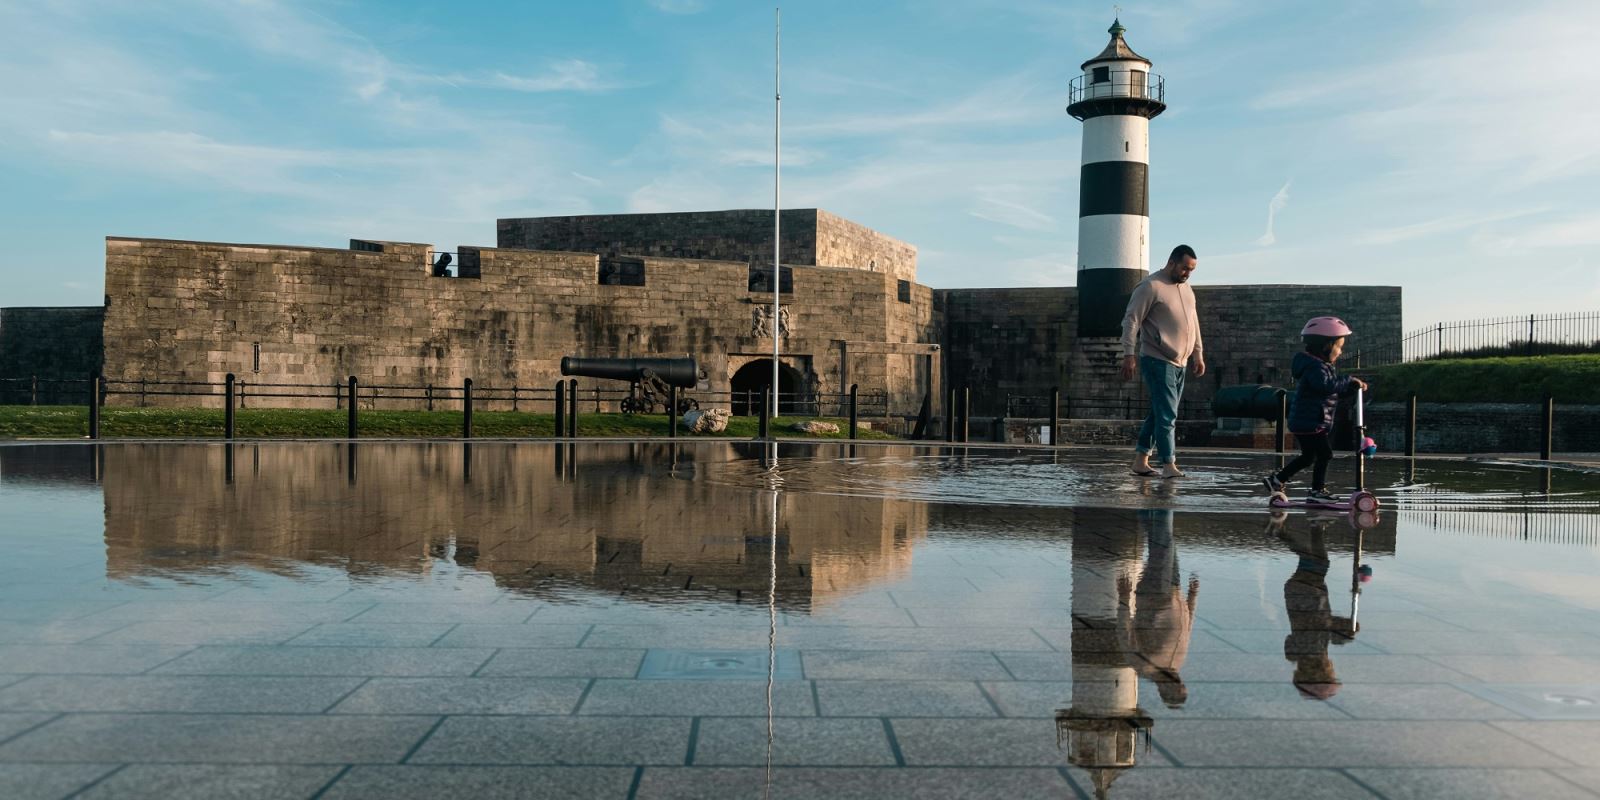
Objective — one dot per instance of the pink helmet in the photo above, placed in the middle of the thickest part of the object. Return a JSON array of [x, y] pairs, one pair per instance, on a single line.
[[1326, 326]]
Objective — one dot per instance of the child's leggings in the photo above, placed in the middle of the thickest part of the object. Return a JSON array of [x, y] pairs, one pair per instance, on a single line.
[[1314, 447]]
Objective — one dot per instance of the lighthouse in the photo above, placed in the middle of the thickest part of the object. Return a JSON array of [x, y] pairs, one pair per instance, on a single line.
[[1115, 98]]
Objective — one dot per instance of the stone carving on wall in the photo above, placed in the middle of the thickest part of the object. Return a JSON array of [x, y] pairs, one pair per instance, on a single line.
[[761, 321]]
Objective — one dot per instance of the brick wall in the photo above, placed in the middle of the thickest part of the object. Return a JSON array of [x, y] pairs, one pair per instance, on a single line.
[[59, 342], [1484, 428], [1024, 341]]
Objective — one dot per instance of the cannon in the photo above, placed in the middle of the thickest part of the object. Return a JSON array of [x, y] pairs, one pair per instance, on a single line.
[[649, 379]]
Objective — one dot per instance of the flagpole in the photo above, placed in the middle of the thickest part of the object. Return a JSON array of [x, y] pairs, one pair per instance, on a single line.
[[777, 205]]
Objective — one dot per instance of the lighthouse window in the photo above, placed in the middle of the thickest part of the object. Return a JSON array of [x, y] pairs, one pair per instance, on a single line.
[[1102, 75], [1136, 83]]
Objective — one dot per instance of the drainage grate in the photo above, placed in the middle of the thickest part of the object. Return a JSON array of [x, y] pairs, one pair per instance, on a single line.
[[1549, 701], [700, 665]]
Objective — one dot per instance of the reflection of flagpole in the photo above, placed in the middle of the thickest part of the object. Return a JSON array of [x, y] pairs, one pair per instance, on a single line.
[[777, 172], [775, 481]]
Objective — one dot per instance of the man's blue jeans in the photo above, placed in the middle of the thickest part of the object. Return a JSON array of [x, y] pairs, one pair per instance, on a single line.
[[1165, 383]]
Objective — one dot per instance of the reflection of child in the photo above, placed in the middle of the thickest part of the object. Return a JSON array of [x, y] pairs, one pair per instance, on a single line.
[[1312, 624], [1316, 396]]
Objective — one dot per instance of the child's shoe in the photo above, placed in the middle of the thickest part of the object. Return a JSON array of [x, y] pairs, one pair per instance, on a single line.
[[1274, 486], [1322, 496]]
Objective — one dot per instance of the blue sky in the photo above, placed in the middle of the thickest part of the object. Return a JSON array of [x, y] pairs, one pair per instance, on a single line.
[[1448, 146]]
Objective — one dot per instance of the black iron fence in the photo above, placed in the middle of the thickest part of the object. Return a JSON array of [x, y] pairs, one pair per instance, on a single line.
[[1522, 335], [337, 394]]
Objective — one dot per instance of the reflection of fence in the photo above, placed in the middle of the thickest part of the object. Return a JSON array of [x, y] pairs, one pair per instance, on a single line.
[[1538, 526], [1123, 408], [594, 398], [1530, 335]]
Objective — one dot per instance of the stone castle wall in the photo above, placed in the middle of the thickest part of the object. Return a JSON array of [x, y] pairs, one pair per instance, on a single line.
[[811, 237], [48, 343], [1024, 341], [197, 311]]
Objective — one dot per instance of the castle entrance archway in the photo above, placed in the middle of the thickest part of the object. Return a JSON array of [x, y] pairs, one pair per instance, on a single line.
[[755, 376]]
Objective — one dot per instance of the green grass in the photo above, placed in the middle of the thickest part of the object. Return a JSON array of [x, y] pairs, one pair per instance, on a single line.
[[1569, 379], [72, 422]]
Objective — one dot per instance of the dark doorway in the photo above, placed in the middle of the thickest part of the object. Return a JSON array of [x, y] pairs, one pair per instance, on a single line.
[[757, 375]]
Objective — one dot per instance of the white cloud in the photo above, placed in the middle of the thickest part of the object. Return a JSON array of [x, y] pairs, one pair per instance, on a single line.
[[571, 75], [678, 6], [1278, 202], [1438, 226]]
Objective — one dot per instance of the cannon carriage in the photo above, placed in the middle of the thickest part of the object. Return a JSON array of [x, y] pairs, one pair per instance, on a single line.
[[650, 380]]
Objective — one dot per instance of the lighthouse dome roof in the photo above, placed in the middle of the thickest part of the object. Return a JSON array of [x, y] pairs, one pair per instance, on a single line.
[[1117, 49]]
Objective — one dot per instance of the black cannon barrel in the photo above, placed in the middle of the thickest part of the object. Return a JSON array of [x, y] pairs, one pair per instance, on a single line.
[[680, 372], [1250, 402]]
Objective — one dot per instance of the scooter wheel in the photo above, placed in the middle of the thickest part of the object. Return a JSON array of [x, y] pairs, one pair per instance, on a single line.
[[1364, 502]]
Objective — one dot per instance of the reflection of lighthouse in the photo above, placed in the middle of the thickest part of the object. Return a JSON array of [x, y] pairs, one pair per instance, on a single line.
[[1115, 97], [1099, 727]]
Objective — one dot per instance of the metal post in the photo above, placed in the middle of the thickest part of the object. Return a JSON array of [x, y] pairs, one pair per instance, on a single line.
[[466, 408], [854, 416], [572, 408], [1438, 329], [561, 408], [94, 406], [1530, 334], [1547, 421], [950, 418], [1055, 413], [672, 411], [34, 392], [227, 413], [967, 412], [242, 393], [513, 397], [1411, 424], [429, 394], [765, 422], [350, 425], [1283, 421]]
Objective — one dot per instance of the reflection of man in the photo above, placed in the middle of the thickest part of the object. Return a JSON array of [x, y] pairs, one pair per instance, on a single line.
[[1312, 624], [1157, 632]]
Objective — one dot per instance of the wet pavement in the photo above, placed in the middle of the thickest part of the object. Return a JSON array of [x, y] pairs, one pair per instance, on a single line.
[[650, 620]]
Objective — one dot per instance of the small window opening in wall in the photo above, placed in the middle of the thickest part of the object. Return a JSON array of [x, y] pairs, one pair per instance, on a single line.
[[255, 357], [905, 291], [1102, 75], [620, 271], [1124, 145], [761, 279]]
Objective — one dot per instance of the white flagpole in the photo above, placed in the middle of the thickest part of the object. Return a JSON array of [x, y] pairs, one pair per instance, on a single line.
[[777, 183]]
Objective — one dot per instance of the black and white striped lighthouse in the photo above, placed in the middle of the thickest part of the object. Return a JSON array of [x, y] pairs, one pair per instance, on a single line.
[[1115, 98]]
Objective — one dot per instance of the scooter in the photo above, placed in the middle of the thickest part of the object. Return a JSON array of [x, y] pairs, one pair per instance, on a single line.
[[1361, 500]]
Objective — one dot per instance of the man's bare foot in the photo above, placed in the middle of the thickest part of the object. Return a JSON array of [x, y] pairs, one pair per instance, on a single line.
[[1171, 471], [1141, 464]]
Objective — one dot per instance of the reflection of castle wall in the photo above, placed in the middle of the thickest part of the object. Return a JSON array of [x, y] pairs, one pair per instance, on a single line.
[[622, 516]]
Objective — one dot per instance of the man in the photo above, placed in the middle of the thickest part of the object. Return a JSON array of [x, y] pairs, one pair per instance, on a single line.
[[1160, 337]]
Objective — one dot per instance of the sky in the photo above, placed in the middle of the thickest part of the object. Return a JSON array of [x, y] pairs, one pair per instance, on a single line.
[[1446, 146]]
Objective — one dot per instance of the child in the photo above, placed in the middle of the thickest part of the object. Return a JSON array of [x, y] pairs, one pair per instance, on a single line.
[[1316, 395]]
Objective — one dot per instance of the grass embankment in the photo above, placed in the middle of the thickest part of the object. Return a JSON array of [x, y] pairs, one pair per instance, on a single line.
[[1569, 379], [72, 422]]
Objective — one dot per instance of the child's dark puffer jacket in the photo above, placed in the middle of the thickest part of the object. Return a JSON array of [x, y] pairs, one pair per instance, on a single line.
[[1316, 394]]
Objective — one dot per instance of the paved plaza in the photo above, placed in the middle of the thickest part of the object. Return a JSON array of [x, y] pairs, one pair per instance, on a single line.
[[656, 621]]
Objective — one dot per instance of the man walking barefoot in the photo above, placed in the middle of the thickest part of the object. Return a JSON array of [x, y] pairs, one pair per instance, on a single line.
[[1160, 337]]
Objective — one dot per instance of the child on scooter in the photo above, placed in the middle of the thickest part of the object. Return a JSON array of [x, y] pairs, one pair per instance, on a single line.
[[1316, 396]]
